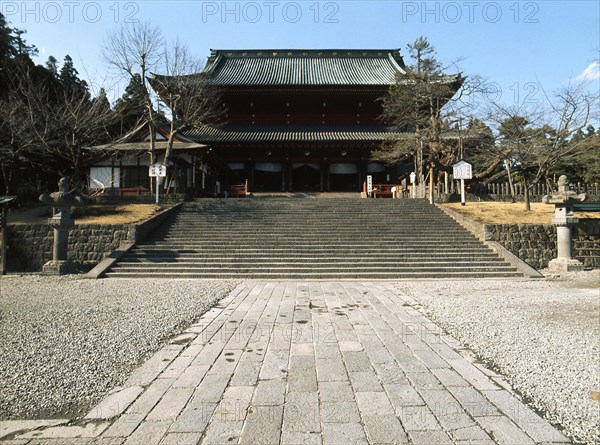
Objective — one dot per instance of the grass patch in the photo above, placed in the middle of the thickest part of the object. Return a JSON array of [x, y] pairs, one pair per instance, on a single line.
[[511, 213], [92, 214]]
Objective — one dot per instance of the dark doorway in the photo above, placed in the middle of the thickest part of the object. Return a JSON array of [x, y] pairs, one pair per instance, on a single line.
[[379, 173], [343, 178], [268, 177], [306, 178]]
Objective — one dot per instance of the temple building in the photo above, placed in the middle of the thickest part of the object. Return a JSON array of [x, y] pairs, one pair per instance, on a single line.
[[295, 120]]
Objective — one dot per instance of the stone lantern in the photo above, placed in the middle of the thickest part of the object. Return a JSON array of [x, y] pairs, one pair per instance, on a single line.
[[564, 220], [61, 222]]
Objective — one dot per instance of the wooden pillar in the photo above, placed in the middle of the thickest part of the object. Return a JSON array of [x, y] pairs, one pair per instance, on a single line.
[[251, 176], [3, 237], [431, 183]]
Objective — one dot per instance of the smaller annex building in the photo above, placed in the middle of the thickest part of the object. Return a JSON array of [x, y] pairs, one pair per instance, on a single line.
[[296, 121], [124, 167]]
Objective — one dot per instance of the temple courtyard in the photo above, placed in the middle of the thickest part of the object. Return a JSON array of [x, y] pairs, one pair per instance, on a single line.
[[155, 361]]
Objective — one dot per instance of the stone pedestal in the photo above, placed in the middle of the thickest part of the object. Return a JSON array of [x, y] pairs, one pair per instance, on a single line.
[[559, 265], [60, 264], [564, 220], [59, 267], [61, 222]]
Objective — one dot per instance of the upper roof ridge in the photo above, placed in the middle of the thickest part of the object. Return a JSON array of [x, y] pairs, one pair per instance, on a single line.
[[229, 67], [303, 52]]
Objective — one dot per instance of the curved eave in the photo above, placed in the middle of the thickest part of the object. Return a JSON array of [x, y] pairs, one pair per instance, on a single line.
[[255, 134]]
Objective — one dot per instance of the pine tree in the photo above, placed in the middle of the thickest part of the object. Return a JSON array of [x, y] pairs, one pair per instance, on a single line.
[[52, 66], [22, 46], [69, 77], [7, 40], [131, 107], [414, 106]]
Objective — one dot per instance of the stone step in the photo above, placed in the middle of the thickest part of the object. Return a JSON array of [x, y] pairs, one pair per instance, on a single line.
[[380, 240], [346, 247], [141, 257], [197, 228], [321, 234], [439, 248], [310, 239], [320, 275], [284, 263]]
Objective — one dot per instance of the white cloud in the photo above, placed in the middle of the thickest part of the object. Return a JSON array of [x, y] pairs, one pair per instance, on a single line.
[[592, 72]]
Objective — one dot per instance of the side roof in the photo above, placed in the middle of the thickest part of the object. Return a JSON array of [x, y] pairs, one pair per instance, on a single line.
[[297, 67]]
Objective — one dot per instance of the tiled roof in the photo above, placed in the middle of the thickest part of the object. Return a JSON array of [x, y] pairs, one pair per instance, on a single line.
[[287, 133], [304, 67], [145, 146]]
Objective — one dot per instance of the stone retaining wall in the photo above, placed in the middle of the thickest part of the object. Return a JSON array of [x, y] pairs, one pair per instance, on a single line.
[[533, 243], [536, 243], [30, 245]]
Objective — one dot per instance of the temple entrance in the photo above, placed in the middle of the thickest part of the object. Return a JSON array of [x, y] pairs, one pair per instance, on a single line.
[[239, 173], [268, 177], [379, 173], [343, 178], [306, 177]]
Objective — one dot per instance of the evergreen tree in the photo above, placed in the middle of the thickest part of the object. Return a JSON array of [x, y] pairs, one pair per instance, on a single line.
[[7, 40], [131, 107], [584, 164], [52, 66], [414, 106], [423, 53], [69, 77], [14, 56]]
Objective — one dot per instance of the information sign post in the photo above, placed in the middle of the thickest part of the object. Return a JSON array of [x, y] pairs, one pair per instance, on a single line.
[[157, 171], [413, 189], [462, 170]]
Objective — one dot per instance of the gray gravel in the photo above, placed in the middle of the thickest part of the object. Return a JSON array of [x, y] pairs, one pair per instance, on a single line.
[[544, 336], [66, 341]]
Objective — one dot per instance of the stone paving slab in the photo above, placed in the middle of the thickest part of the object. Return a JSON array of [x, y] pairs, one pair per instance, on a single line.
[[306, 363]]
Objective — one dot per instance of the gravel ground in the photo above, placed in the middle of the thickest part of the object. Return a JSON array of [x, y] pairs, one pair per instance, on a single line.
[[543, 336], [67, 341]]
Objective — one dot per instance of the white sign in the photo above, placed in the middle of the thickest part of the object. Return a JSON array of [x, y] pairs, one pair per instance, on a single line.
[[158, 170], [462, 170], [369, 184]]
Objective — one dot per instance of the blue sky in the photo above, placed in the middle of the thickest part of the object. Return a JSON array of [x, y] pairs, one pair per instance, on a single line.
[[522, 46]]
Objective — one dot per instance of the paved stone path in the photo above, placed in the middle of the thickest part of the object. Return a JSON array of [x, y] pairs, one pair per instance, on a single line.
[[306, 363]]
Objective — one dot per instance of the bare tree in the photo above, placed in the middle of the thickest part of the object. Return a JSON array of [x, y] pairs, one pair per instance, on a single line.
[[414, 106], [62, 124], [532, 140], [137, 49], [16, 138], [433, 114], [187, 92]]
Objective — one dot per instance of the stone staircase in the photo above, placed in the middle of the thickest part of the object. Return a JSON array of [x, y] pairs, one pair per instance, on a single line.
[[287, 238]]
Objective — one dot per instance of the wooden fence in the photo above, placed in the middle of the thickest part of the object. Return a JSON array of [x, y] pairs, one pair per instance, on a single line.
[[501, 191], [538, 190]]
